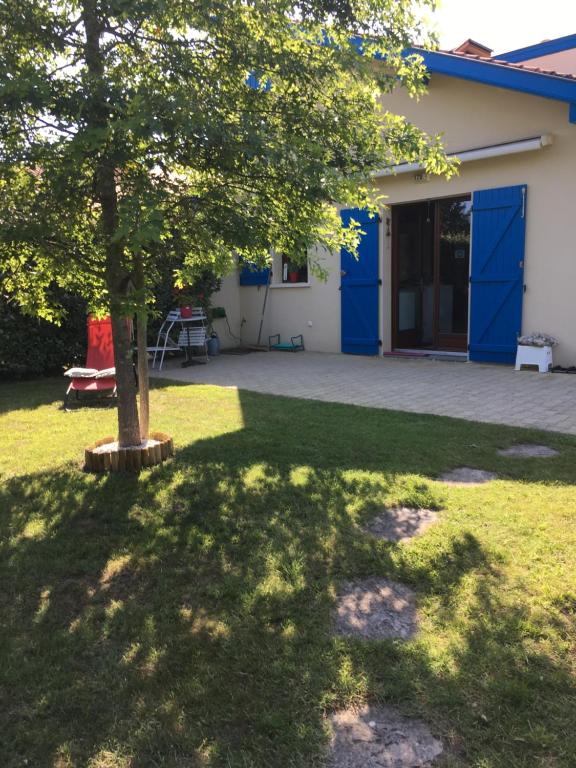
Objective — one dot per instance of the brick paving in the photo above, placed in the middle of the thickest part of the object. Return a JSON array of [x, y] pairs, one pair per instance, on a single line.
[[490, 393]]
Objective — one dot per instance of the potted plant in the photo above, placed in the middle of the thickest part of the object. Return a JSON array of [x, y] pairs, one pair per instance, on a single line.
[[293, 272], [184, 300], [197, 294]]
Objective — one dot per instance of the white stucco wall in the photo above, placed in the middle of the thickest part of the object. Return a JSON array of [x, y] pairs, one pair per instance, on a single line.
[[312, 309], [473, 115], [470, 115], [228, 297]]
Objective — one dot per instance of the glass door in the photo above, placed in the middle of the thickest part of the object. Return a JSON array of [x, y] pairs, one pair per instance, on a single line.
[[453, 279], [430, 274], [414, 279]]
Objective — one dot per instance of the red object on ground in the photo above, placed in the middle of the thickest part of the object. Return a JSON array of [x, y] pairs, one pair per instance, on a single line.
[[100, 355]]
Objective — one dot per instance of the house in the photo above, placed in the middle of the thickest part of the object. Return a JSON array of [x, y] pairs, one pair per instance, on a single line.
[[460, 266]]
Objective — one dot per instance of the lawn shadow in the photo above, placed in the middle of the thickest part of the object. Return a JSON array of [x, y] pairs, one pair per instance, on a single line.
[[183, 617], [500, 697], [29, 394]]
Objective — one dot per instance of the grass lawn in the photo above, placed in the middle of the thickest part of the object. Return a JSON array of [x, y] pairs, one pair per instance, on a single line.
[[181, 618]]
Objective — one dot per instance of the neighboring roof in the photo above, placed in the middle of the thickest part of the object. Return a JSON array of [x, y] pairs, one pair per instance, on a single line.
[[527, 67], [564, 61], [504, 74], [471, 46], [545, 48]]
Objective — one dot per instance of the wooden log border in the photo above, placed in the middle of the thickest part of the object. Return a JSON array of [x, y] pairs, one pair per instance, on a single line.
[[128, 459]]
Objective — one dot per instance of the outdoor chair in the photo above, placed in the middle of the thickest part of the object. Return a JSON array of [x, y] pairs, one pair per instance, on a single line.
[[193, 336], [99, 375], [164, 342]]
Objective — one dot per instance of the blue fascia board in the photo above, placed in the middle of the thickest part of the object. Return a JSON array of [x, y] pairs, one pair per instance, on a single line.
[[490, 72], [539, 49], [499, 75], [485, 71]]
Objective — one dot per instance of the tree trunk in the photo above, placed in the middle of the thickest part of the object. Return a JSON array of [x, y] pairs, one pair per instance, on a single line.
[[143, 375], [105, 189], [141, 344], [128, 422]]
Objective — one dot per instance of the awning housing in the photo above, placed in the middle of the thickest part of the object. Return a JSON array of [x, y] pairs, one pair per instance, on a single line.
[[478, 153]]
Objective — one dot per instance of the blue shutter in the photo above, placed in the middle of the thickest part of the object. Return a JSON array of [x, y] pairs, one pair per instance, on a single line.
[[254, 82], [497, 274], [251, 276], [360, 288]]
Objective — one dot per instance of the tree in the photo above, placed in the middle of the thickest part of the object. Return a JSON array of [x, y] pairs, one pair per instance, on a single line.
[[214, 130]]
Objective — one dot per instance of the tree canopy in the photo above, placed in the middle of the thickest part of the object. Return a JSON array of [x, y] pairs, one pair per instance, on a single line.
[[203, 130]]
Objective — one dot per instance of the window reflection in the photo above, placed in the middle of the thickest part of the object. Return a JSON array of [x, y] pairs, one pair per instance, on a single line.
[[454, 265]]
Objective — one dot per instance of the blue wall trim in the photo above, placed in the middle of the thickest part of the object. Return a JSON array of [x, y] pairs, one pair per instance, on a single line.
[[572, 113], [499, 75], [540, 49]]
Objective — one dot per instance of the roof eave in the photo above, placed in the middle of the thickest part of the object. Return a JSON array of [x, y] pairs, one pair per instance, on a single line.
[[546, 48], [489, 72]]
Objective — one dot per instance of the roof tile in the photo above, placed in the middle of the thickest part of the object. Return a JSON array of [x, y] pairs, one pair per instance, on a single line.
[[514, 65]]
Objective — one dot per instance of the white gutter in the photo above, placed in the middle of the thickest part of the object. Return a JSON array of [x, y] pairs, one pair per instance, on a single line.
[[481, 153]]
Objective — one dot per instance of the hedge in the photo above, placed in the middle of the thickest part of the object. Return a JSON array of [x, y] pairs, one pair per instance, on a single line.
[[30, 347]]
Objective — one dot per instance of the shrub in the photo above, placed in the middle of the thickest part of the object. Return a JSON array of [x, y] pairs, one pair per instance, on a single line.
[[31, 347]]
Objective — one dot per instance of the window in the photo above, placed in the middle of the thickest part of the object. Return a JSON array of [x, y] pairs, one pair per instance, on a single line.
[[293, 273]]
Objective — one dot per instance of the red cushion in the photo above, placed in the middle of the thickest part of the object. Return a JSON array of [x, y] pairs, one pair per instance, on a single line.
[[93, 385], [100, 354]]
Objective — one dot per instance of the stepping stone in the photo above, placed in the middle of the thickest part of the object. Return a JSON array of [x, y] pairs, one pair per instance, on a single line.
[[467, 476], [527, 451], [379, 737], [375, 608], [401, 523]]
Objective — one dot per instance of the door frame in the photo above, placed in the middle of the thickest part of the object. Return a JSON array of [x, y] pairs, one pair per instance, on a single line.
[[450, 340]]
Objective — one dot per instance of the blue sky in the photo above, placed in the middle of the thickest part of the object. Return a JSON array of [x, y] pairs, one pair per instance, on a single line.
[[503, 24]]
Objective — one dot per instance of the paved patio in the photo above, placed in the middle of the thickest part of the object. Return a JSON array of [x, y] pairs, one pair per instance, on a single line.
[[490, 393]]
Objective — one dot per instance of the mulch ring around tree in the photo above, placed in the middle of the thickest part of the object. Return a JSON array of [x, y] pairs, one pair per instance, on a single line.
[[374, 609], [467, 476], [379, 737], [400, 523], [528, 451]]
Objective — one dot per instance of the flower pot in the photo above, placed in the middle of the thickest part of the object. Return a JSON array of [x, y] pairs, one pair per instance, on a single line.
[[185, 311], [293, 277]]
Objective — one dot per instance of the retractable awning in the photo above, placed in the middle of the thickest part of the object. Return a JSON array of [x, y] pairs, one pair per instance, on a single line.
[[478, 153]]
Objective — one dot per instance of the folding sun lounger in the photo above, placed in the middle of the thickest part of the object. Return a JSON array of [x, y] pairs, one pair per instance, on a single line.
[[100, 373]]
